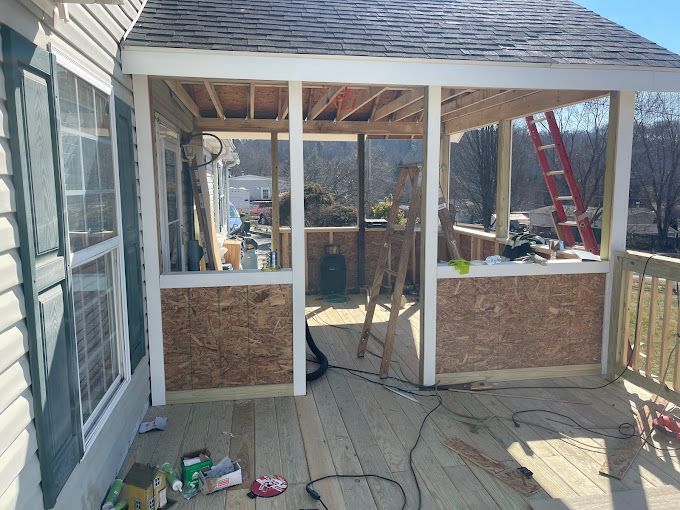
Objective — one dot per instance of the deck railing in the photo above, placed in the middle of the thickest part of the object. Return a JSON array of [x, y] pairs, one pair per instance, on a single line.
[[645, 325]]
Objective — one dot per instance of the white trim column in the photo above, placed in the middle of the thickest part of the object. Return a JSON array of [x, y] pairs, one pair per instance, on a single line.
[[429, 232], [297, 223], [147, 189], [616, 195]]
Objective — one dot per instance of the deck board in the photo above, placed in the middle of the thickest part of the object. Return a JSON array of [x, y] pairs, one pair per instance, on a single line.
[[347, 425]]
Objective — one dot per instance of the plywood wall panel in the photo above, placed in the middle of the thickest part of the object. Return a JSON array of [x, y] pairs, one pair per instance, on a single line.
[[225, 337], [519, 322]]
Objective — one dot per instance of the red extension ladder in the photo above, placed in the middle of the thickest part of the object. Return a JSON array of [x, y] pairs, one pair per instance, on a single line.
[[564, 225]]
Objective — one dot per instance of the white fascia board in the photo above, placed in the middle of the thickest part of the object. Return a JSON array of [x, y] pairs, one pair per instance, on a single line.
[[217, 64]]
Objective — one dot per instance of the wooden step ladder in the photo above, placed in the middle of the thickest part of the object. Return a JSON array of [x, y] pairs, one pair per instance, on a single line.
[[412, 172], [564, 224]]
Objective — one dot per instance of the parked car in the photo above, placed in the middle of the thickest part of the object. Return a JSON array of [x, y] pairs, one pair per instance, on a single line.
[[234, 218], [261, 210]]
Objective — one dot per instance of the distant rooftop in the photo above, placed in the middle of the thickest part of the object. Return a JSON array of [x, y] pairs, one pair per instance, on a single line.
[[530, 31]]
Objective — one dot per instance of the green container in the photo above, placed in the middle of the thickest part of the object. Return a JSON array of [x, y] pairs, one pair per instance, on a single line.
[[190, 473]]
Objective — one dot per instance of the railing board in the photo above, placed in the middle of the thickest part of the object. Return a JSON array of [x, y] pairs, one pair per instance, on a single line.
[[665, 330], [651, 327], [638, 325]]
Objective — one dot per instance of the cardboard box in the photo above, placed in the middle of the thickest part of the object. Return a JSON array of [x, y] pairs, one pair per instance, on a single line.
[[210, 485], [190, 472]]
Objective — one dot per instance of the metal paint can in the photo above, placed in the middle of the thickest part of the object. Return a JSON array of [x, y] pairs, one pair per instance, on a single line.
[[273, 259]]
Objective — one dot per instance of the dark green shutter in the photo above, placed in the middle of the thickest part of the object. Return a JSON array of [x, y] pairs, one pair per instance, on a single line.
[[40, 212], [130, 217]]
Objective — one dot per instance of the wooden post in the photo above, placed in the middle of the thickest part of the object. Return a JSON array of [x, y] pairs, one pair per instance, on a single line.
[[615, 211], [361, 211], [297, 223], [429, 234], [503, 172], [445, 167], [276, 220]]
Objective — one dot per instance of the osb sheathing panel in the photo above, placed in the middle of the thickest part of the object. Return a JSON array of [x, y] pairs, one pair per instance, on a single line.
[[519, 322], [228, 336]]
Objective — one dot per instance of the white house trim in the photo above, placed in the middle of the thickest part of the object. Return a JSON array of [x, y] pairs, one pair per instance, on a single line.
[[183, 62], [297, 222], [553, 267], [147, 189]]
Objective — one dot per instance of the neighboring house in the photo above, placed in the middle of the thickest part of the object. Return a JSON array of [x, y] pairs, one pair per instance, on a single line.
[[82, 139], [260, 188], [73, 364]]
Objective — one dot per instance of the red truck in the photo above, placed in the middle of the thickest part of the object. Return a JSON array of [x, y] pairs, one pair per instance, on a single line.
[[261, 211]]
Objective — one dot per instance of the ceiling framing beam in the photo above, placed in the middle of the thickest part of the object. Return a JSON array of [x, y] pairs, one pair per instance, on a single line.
[[405, 99], [311, 126], [529, 104], [471, 99], [183, 96], [324, 101], [418, 106], [361, 100], [214, 98]]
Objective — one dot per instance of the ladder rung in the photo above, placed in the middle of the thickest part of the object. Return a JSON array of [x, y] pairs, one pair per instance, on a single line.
[[390, 272], [545, 147], [537, 120], [565, 198], [556, 172], [569, 223]]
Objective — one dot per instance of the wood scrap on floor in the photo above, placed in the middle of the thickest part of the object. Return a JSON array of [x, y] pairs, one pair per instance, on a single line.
[[509, 476], [620, 459]]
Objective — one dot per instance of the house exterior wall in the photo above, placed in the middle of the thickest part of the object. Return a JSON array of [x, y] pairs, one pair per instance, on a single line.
[[252, 183], [91, 38]]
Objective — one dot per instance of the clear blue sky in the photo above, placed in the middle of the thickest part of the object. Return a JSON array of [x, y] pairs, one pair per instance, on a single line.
[[657, 20]]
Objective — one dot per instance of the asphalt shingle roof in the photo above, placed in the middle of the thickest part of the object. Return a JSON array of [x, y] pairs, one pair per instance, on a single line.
[[536, 31]]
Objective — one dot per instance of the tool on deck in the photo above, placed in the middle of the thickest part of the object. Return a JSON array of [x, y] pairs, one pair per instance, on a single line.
[[564, 223], [412, 172], [668, 424]]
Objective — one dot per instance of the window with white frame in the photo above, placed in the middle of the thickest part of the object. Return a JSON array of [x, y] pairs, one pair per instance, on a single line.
[[170, 186], [266, 194], [95, 242]]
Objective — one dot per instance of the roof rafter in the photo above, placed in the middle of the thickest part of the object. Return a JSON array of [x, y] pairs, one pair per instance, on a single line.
[[419, 106], [529, 104], [214, 98], [324, 101], [405, 99], [184, 97], [365, 97]]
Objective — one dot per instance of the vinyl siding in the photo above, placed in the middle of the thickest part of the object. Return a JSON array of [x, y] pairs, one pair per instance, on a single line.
[[91, 38]]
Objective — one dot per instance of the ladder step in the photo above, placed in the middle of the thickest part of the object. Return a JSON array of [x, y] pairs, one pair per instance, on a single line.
[[537, 120], [556, 172], [546, 147], [566, 198], [390, 272], [569, 223]]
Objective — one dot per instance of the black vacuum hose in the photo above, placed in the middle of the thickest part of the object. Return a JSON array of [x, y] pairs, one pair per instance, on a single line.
[[320, 356]]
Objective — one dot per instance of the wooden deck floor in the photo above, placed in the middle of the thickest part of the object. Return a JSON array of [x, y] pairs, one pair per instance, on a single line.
[[347, 425]]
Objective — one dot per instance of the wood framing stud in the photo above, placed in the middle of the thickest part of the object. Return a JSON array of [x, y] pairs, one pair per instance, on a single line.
[[311, 126], [503, 172], [183, 96], [251, 101]]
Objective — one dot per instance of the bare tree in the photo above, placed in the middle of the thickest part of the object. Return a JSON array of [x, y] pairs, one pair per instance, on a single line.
[[656, 155], [474, 173]]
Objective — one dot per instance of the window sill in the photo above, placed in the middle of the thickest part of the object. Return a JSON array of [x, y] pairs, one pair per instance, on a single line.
[[195, 279], [552, 267]]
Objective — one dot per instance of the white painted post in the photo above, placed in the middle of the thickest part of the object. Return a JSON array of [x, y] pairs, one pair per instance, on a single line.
[[616, 195], [147, 189], [429, 234], [297, 223]]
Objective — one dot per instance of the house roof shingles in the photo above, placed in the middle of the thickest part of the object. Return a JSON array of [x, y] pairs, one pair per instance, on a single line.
[[531, 31]]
